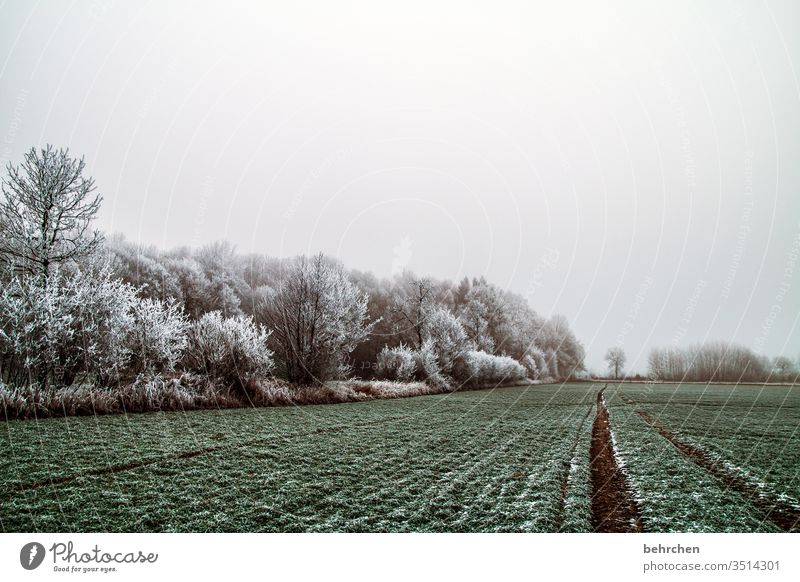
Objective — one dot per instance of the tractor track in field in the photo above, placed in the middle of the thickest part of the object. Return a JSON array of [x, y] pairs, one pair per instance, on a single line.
[[614, 509], [122, 467], [559, 519], [785, 516]]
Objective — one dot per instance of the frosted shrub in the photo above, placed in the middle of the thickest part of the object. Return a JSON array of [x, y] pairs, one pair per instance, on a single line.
[[103, 318], [65, 329], [397, 363], [157, 337], [427, 365], [479, 368], [232, 350], [404, 364], [33, 323]]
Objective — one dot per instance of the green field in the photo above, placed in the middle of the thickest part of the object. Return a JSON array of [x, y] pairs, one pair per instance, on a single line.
[[510, 459]]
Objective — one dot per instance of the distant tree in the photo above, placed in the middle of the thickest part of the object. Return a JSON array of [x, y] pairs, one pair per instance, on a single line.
[[46, 212], [713, 361], [615, 357], [317, 316], [782, 366]]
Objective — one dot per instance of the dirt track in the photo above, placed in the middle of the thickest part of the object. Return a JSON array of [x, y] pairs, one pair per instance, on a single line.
[[613, 508]]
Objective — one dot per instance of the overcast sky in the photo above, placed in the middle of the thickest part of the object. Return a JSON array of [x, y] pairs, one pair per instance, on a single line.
[[633, 167]]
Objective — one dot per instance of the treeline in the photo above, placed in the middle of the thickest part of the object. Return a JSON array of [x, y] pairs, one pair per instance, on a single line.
[[80, 313], [717, 362], [403, 328]]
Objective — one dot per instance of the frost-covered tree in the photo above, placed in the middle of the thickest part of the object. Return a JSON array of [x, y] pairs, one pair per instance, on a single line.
[[529, 362], [447, 338], [485, 316], [474, 315], [413, 299], [615, 359], [379, 310], [536, 363], [428, 366], [226, 286], [46, 212], [35, 323], [564, 353], [317, 316]]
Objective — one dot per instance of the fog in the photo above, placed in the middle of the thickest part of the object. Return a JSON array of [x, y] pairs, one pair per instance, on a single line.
[[632, 167]]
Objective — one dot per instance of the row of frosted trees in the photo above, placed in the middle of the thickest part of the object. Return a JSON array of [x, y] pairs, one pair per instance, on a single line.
[[470, 332], [79, 309]]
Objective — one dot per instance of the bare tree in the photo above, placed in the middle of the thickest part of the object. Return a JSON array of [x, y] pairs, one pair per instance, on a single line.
[[46, 212], [615, 356]]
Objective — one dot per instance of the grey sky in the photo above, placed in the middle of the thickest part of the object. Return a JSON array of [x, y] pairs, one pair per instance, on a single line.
[[633, 167]]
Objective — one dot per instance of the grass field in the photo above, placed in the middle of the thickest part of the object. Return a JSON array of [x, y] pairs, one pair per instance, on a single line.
[[510, 459]]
